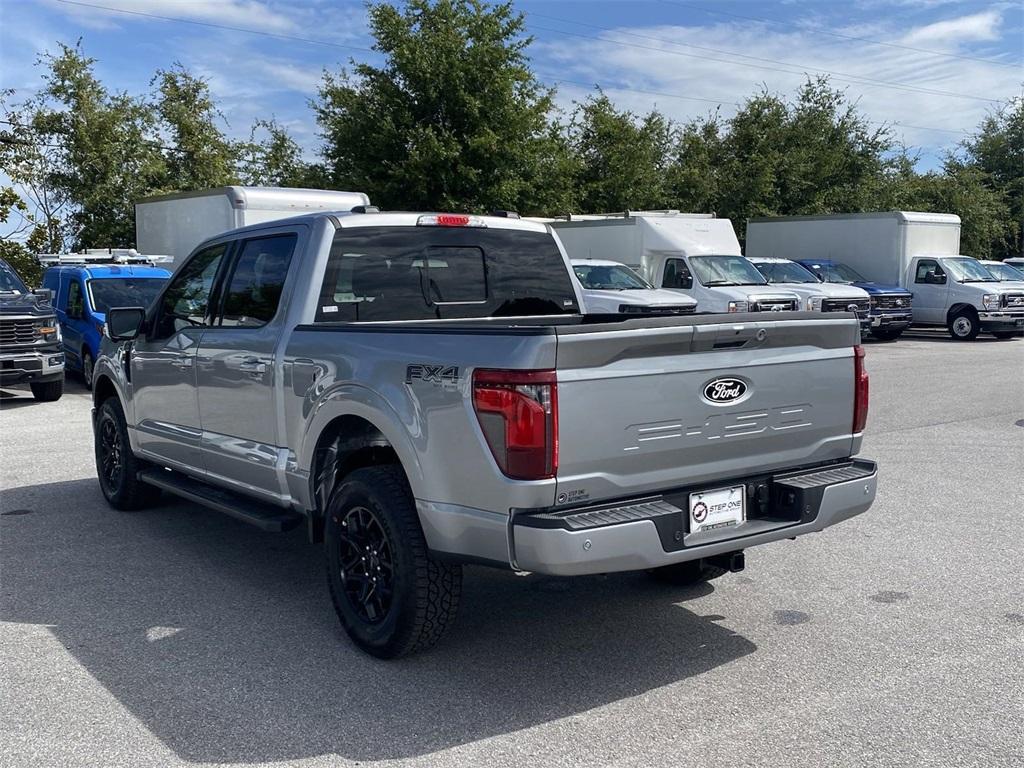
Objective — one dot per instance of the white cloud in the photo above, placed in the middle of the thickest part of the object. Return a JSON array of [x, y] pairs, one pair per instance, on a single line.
[[635, 63], [976, 27], [250, 14]]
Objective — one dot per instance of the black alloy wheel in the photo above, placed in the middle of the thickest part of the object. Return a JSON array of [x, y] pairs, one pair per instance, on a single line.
[[366, 564]]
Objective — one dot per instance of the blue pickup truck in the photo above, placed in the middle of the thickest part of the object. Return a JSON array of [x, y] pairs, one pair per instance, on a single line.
[[82, 295], [891, 306]]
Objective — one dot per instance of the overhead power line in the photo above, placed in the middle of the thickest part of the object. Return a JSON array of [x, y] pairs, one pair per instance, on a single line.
[[830, 33], [227, 27], [796, 69], [331, 44]]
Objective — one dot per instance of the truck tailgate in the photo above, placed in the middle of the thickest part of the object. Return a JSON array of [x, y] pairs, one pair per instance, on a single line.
[[669, 405]]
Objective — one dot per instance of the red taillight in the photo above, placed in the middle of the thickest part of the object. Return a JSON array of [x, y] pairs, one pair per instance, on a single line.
[[452, 220], [860, 390], [518, 414], [449, 220]]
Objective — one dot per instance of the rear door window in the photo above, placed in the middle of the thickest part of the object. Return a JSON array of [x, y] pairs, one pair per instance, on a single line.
[[419, 273]]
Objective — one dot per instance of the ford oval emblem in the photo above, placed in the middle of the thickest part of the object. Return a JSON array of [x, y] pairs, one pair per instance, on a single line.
[[724, 390]]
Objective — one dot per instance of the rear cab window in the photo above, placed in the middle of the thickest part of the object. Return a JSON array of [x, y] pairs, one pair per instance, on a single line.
[[423, 273]]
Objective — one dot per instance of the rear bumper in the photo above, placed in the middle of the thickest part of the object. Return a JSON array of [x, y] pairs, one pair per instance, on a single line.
[[32, 367], [651, 532]]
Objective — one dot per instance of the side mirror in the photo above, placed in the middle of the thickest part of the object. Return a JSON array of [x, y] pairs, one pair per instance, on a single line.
[[123, 323], [45, 294]]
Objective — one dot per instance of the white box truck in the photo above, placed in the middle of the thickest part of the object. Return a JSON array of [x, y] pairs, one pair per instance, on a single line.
[[919, 252], [175, 224], [697, 254]]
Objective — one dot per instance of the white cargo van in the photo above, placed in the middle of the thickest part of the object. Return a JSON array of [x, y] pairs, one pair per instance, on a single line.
[[917, 251], [175, 224], [696, 254]]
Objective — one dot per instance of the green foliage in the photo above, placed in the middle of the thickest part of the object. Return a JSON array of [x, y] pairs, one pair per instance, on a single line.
[[814, 155], [621, 159], [453, 120], [275, 160], [201, 156]]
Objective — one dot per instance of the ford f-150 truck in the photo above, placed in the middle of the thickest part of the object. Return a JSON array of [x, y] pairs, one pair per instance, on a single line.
[[421, 391]]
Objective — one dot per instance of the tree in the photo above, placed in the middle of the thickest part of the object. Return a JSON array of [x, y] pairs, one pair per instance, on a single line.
[[454, 118], [814, 155], [997, 151], [200, 156], [622, 159], [276, 159]]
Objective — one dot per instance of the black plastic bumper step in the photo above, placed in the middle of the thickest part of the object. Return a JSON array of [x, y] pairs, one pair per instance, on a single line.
[[266, 517]]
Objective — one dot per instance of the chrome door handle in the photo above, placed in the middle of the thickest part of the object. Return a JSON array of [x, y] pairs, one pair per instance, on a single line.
[[252, 365], [182, 362]]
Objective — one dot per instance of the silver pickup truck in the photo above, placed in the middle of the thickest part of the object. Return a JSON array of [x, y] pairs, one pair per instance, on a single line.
[[421, 391]]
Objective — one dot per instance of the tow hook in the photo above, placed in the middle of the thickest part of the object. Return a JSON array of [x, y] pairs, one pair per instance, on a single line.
[[734, 562]]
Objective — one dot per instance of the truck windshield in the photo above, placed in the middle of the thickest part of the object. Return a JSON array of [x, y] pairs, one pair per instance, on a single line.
[[9, 281], [726, 270], [837, 273], [612, 278], [123, 292], [785, 272], [967, 270], [1004, 272]]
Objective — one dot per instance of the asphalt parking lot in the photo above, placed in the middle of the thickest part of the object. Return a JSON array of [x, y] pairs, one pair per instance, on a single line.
[[180, 636]]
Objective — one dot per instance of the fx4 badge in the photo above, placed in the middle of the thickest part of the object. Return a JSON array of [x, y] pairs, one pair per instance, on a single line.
[[438, 375]]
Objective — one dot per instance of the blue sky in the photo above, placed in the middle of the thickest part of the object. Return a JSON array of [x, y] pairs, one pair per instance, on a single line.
[[931, 67]]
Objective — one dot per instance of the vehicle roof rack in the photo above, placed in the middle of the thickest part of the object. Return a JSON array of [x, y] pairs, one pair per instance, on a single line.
[[102, 256], [505, 214]]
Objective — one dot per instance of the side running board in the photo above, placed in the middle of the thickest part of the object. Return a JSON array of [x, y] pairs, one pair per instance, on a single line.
[[264, 516]]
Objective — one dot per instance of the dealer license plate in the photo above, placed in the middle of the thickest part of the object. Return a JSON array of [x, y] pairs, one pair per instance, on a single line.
[[721, 508]]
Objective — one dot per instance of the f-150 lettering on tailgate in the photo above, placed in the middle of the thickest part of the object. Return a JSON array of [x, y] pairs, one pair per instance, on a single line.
[[717, 426]]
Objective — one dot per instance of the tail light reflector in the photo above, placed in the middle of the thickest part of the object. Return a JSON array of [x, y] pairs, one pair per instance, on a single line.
[[860, 390], [518, 414]]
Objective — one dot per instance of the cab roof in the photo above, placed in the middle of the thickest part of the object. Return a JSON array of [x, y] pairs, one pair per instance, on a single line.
[[101, 271]]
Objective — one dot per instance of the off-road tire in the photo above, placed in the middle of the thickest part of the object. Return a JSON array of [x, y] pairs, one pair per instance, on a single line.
[[688, 573], [886, 335], [423, 592], [121, 488], [964, 325], [47, 391]]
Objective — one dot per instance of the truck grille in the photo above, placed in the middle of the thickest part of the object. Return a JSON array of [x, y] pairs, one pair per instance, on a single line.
[[661, 309], [1013, 300], [773, 305], [892, 302], [844, 305], [16, 332]]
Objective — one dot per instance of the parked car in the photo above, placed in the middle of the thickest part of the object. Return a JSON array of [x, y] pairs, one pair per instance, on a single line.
[[29, 338], [891, 307], [85, 291], [816, 296], [695, 254], [1017, 262], [1005, 273], [421, 391], [920, 252], [610, 287]]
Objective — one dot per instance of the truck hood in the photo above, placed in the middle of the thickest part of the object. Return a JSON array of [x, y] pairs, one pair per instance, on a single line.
[[828, 290], [609, 301], [24, 304], [749, 292], [881, 288]]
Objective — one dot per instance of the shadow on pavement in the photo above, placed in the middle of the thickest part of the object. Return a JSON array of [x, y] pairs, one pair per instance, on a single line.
[[222, 640]]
